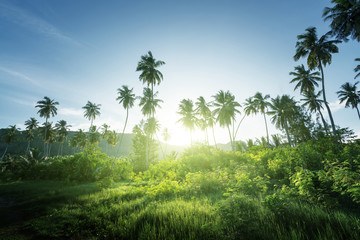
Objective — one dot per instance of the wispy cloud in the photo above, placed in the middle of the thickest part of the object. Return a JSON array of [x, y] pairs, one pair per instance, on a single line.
[[336, 106], [19, 75], [33, 23]]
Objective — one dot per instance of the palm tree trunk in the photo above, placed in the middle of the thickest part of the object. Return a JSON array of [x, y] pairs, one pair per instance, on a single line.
[[45, 143], [147, 152], [237, 129], [28, 147], [121, 137], [287, 134], [323, 120], [2, 158], [214, 136], [357, 109], [325, 101], [231, 142], [267, 131]]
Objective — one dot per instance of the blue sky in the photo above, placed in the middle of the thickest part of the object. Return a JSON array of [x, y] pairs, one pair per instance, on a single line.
[[79, 50]]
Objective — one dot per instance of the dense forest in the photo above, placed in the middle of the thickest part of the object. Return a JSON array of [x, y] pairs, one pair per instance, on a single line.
[[101, 184]]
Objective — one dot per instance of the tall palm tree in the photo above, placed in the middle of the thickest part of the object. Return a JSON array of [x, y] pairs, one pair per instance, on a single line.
[[345, 18], [11, 135], [166, 136], [149, 102], [203, 110], [31, 125], [127, 99], [148, 67], [211, 121], [91, 111], [47, 107], [188, 118], [318, 52], [49, 134], [281, 111], [348, 93], [261, 104], [249, 108], [225, 111], [305, 79], [62, 132], [314, 104]]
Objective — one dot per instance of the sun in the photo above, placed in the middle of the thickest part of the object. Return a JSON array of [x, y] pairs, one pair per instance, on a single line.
[[180, 136]]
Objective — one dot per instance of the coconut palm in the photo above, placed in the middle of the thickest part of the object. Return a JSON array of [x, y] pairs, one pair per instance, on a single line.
[[203, 110], [318, 52], [127, 99], [188, 118], [148, 67], [62, 131], [261, 103], [11, 135], [211, 121], [47, 108], [149, 102], [225, 111], [31, 125], [49, 134], [345, 18], [282, 108], [305, 79], [166, 136], [79, 139], [94, 135], [314, 104], [249, 108], [349, 95], [91, 111]]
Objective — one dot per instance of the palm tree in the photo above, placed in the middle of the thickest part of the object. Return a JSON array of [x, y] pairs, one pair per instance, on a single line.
[[62, 131], [349, 94], [261, 105], [225, 111], [79, 139], [94, 135], [345, 18], [149, 102], [31, 125], [91, 111], [318, 52], [127, 99], [188, 118], [306, 80], [166, 136], [11, 135], [47, 107], [281, 111], [249, 108], [314, 104], [149, 74], [49, 135], [203, 110], [357, 69]]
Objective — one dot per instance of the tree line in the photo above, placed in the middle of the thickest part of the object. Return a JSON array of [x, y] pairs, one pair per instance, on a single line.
[[288, 115]]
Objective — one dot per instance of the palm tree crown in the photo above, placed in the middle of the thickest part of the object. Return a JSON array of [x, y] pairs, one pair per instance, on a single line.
[[186, 110], [47, 107], [345, 18], [149, 103], [126, 97], [349, 95], [91, 111], [306, 80], [148, 66], [226, 108]]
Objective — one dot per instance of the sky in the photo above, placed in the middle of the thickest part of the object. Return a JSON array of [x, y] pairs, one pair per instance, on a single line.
[[74, 51]]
